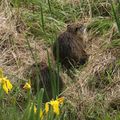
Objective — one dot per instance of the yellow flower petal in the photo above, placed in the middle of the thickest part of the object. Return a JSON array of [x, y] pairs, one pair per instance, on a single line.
[[5, 83], [47, 107], [9, 85], [55, 105], [5, 88], [51, 102], [60, 100], [27, 86]]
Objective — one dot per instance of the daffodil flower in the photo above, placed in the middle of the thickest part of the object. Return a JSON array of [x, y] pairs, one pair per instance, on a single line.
[[55, 104], [27, 86], [5, 83], [47, 107], [60, 100]]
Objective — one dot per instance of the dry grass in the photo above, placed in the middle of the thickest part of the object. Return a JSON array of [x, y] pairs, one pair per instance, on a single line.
[[15, 57]]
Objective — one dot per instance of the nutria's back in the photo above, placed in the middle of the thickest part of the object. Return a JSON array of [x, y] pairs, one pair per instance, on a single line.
[[45, 76]]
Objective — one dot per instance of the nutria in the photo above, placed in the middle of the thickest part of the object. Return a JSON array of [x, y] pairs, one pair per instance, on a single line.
[[70, 46], [46, 76]]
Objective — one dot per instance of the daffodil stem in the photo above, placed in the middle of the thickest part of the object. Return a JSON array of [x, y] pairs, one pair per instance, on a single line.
[[29, 96]]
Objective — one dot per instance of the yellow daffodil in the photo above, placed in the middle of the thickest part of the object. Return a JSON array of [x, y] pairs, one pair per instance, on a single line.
[[55, 104], [7, 86], [47, 107], [5, 83], [60, 100], [27, 86]]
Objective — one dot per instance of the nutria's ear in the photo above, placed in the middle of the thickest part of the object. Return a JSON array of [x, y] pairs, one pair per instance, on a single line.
[[69, 28]]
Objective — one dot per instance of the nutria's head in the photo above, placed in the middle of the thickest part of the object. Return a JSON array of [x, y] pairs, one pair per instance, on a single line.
[[78, 28]]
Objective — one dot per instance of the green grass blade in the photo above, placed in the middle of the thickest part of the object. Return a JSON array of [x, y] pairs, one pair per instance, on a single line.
[[42, 18], [49, 4], [39, 103], [115, 15]]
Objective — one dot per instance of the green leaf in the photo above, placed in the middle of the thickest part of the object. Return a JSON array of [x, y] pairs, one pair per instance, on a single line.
[[39, 103]]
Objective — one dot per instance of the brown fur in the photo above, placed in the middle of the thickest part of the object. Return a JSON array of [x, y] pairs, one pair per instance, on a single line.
[[70, 46], [44, 75]]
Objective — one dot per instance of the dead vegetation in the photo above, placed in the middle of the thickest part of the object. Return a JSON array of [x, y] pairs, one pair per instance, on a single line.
[[98, 81]]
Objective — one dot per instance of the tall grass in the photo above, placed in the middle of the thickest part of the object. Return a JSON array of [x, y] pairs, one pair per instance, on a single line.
[[48, 19]]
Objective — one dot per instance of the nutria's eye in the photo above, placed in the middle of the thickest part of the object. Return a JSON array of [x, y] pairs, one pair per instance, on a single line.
[[77, 29], [80, 29]]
